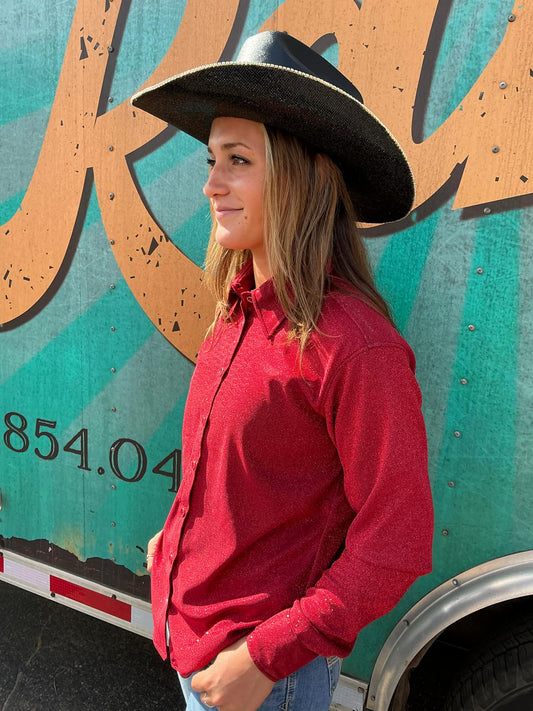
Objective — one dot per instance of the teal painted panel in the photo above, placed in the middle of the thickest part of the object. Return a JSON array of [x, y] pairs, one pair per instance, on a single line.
[[56, 368]]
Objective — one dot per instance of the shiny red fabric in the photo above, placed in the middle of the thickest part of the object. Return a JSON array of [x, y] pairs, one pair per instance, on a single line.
[[305, 509]]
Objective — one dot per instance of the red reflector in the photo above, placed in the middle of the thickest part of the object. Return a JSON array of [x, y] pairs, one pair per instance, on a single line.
[[90, 598], [1, 563]]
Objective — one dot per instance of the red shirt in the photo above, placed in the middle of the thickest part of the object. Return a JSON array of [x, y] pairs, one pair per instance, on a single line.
[[305, 509]]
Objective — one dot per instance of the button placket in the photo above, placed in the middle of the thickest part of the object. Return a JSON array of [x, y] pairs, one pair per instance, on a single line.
[[230, 342]]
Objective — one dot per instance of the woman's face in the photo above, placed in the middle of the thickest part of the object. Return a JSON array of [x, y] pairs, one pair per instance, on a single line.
[[235, 184]]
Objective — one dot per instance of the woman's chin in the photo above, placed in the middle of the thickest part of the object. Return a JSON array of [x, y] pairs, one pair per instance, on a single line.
[[228, 240]]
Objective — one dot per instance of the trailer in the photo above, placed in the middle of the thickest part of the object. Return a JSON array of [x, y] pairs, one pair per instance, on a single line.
[[102, 309]]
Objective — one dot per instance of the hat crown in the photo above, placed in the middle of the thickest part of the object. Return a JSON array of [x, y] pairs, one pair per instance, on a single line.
[[279, 48]]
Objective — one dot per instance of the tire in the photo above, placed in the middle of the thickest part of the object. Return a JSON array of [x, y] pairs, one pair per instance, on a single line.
[[499, 676]]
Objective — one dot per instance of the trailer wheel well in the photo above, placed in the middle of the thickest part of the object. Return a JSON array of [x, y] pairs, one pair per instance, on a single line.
[[424, 685]]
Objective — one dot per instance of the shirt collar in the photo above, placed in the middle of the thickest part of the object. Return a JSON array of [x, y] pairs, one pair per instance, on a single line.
[[263, 298]]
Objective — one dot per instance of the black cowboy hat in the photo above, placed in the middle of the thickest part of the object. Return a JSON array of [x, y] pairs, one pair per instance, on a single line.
[[279, 81]]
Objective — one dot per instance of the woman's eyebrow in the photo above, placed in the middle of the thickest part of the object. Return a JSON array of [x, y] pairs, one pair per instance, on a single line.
[[230, 146]]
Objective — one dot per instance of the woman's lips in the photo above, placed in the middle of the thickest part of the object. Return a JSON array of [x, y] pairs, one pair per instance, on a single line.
[[223, 211]]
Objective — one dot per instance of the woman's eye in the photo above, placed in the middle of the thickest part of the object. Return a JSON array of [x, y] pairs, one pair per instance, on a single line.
[[235, 160]]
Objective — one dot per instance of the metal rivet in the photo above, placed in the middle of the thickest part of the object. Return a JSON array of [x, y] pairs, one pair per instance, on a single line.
[[111, 241], [479, 270], [445, 532], [464, 381], [455, 582], [113, 486], [111, 286], [110, 100], [406, 623], [52, 594], [471, 327], [457, 434], [113, 560], [110, 49], [113, 370], [451, 484], [113, 524], [487, 210], [113, 409], [112, 195], [495, 149], [111, 148], [503, 85], [511, 18], [113, 328]]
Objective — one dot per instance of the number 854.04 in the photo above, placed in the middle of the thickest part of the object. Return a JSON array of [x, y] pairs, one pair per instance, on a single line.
[[16, 439]]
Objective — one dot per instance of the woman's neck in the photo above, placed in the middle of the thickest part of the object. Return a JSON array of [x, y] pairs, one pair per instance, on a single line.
[[262, 271]]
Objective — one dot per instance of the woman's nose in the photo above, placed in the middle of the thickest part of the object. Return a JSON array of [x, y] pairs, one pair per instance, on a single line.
[[215, 185]]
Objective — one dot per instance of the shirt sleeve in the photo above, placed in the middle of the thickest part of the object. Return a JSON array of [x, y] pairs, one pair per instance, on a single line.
[[373, 415]]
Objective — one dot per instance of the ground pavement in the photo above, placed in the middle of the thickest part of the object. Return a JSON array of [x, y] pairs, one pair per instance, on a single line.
[[53, 658]]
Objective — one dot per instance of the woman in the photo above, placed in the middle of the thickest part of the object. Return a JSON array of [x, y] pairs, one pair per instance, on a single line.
[[304, 511]]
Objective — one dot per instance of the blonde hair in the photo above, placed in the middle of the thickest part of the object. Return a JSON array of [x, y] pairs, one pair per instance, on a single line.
[[311, 238]]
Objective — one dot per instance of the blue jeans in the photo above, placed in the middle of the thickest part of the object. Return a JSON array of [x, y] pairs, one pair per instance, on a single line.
[[308, 689]]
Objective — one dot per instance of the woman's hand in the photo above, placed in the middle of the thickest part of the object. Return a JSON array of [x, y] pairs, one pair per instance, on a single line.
[[233, 682], [152, 545]]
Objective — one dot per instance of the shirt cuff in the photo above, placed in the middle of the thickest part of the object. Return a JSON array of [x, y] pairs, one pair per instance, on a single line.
[[275, 650]]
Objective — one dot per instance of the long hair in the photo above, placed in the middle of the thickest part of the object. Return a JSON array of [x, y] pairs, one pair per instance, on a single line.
[[312, 241]]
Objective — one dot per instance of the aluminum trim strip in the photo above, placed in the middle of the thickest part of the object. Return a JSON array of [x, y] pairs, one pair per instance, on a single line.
[[77, 593]]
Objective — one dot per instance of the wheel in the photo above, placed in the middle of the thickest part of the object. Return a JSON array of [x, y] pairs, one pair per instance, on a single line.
[[499, 676]]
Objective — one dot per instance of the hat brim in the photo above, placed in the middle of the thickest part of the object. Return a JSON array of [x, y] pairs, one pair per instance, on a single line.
[[376, 171]]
